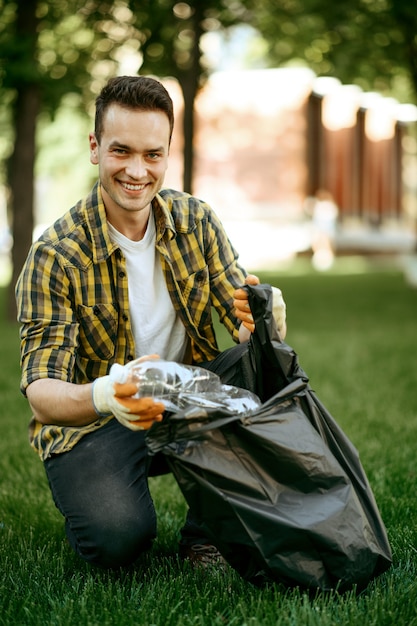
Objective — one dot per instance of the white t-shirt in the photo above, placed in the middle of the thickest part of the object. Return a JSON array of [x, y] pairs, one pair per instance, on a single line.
[[157, 329]]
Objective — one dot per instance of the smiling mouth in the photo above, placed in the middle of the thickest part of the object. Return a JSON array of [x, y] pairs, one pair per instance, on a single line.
[[131, 187]]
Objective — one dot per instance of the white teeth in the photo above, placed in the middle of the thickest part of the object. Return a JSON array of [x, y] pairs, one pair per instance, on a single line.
[[133, 187]]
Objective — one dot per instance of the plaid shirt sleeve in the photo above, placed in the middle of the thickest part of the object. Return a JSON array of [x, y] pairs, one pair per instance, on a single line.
[[72, 301], [48, 332]]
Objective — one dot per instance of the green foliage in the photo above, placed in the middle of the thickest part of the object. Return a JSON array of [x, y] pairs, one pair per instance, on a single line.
[[70, 41], [171, 32], [59, 45], [367, 42], [355, 336]]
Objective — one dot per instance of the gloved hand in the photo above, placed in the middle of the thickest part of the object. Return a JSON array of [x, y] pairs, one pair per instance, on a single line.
[[242, 308], [116, 398], [241, 303], [279, 311]]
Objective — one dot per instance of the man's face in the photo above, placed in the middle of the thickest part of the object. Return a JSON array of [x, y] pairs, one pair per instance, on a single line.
[[132, 157]]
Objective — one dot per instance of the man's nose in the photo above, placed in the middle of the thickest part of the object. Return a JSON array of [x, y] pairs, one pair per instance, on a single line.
[[136, 167]]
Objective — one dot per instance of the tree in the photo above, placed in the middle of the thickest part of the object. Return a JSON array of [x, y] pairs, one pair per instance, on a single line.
[[368, 42], [47, 50], [22, 79], [171, 34]]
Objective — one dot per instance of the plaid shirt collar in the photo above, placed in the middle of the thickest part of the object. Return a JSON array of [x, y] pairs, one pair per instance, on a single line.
[[96, 219]]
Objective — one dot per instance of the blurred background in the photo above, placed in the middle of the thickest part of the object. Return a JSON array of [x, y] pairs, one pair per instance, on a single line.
[[295, 119]]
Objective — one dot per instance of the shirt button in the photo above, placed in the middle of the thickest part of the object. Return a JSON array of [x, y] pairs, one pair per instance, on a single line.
[[129, 357], [125, 317], [122, 274]]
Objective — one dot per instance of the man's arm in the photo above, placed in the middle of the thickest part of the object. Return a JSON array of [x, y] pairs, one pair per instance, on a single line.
[[66, 404], [58, 402]]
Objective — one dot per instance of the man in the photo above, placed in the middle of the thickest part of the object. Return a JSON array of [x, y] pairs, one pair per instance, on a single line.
[[131, 270]]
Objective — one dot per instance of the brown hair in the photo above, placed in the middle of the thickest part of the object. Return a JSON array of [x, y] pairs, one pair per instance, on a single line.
[[133, 92]]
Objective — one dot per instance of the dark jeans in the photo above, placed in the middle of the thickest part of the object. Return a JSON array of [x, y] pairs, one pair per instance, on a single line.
[[101, 489]]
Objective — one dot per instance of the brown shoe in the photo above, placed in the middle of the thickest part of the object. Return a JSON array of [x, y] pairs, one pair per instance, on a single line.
[[202, 555]]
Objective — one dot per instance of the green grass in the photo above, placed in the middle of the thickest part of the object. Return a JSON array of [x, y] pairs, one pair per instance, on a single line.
[[356, 336]]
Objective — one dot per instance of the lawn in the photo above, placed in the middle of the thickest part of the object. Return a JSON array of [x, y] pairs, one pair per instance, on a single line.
[[356, 337]]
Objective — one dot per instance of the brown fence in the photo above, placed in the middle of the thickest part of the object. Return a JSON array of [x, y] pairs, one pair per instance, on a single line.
[[359, 160]]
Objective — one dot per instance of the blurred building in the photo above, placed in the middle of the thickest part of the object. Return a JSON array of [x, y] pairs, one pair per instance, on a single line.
[[271, 144]]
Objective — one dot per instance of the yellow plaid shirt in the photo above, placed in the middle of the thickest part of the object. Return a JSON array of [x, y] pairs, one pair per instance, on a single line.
[[72, 296]]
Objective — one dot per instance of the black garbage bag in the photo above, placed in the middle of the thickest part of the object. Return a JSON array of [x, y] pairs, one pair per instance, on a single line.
[[280, 491]]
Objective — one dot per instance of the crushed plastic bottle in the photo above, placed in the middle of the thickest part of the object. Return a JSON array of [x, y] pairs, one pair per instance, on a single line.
[[181, 386]]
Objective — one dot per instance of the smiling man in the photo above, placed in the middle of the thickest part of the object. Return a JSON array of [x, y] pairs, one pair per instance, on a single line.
[[131, 270]]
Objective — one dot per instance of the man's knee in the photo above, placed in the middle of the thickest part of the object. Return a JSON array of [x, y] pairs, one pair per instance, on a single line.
[[114, 543]]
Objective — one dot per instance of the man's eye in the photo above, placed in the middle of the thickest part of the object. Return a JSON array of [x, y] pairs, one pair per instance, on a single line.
[[153, 156], [119, 150]]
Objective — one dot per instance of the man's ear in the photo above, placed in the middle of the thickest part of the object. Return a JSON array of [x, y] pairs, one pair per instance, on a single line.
[[93, 148]]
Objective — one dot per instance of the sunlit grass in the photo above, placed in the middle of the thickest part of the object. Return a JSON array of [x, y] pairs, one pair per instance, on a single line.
[[355, 334]]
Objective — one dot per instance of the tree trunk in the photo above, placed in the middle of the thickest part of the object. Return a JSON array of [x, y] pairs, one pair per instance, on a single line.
[[21, 164], [189, 81], [21, 184], [189, 92]]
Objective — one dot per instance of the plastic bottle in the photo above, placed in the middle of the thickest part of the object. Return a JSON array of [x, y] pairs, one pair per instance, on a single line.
[[180, 386]]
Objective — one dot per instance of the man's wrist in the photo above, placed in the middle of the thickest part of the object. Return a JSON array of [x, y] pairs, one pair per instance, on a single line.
[[97, 395]]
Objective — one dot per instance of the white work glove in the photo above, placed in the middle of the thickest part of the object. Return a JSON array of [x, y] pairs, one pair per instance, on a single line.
[[279, 310], [243, 312], [111, 397]]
